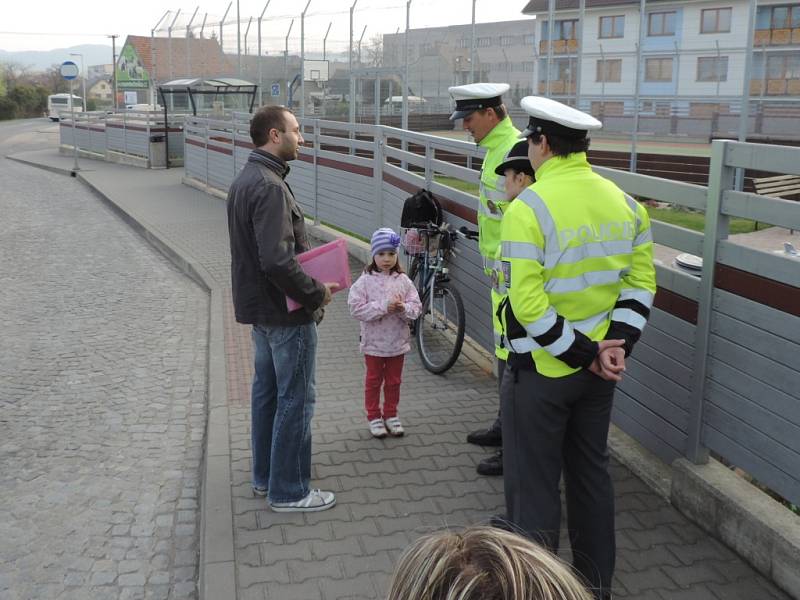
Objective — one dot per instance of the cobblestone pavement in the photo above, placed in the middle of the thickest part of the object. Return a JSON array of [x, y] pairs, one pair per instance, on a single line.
[[102, 401], [391, 491]]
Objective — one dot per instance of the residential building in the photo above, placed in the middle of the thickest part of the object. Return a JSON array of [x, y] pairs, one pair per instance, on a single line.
[[143, 60], [692, 59], [439, 57], [101, 89]]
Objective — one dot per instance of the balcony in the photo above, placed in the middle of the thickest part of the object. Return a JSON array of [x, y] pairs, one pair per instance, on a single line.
[[560, 46], [776, 37], [775, 87], [558, 86]]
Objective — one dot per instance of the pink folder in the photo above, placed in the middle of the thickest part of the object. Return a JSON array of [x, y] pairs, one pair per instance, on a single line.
[[326, 263]]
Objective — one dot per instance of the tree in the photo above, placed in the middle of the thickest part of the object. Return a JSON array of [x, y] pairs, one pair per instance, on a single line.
[[8, 108], [374, 51], [31, 100], [53, 81]]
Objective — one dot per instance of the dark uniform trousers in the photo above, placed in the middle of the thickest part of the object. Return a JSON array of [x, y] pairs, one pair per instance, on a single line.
[[550, 423], [498, 422]]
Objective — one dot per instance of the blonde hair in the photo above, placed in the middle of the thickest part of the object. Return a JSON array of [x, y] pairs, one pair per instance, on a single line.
[[482, 563]]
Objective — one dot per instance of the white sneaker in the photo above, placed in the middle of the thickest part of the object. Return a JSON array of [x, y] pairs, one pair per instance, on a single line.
[[377, 428], [395, 427], [316, 500]]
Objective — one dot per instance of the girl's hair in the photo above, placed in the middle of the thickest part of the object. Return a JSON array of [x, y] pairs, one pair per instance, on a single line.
[[373, 268], [482, 563]]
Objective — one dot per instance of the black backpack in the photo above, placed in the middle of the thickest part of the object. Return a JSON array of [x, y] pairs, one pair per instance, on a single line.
[[421, 209]]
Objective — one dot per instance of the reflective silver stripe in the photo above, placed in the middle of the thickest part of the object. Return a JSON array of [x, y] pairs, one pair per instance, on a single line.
[[500, 288], [520, 345], [630, 317], [524, 250], [546, 223], [484, 210], [643, 297], [643, 238], [591, 250], [498, 338], [563, 343], [586, 326], [496, 195], [543, 324], [634, 206], [581, 282]]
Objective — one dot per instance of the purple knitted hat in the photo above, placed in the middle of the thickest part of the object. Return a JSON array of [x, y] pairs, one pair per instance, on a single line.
[[384, 239]]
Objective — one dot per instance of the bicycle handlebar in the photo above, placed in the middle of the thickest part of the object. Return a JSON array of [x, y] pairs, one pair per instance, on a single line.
[[470, 234]]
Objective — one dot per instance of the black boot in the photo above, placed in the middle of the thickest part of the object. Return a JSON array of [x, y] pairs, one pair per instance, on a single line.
[[492, 465], [486, 437]]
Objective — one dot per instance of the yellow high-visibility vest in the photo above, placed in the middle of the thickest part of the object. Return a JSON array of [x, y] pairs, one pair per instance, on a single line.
[[577, 255]]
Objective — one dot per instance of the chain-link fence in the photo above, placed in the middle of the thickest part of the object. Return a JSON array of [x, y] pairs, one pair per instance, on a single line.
[[682, 72]]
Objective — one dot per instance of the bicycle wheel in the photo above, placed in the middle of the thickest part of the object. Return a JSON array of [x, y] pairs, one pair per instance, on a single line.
[[440, 328]]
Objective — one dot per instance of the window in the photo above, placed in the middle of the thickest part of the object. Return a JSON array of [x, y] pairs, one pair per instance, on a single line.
[[509, 40], [612, 27], [464, 43], [609, 70], [715, 20], [778, 17], [658, 69], [565, 30], [783, 66], [529, 40], [560, 70], [528, 66], [710, 68], [608, 109], [483, 42], [661, 23]]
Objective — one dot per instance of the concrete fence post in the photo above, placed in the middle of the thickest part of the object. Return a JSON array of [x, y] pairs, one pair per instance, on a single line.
[[316, 171], [377, 173]]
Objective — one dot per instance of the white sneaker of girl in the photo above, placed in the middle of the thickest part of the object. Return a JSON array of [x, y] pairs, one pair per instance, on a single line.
[[377, 428], [395, 427]]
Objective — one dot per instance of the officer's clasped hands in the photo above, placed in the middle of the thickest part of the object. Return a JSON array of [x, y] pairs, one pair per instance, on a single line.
[[610, 360]]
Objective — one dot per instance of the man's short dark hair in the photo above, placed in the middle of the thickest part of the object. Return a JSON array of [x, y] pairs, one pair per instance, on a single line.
[[563, 146], [265, 119], [500, 111]]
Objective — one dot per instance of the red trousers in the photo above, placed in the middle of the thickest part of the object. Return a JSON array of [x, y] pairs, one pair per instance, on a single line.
[[386, 370]]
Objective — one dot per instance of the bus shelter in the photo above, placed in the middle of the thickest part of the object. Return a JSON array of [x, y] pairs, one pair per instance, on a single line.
[[205, 97]]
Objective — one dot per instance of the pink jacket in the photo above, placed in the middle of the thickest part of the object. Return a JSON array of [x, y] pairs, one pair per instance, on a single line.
[[382, 333]]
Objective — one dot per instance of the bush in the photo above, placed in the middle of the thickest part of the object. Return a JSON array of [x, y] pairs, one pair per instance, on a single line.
[[8, 108], [31, 101]]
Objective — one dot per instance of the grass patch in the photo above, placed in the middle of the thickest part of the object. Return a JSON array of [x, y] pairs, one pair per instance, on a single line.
[[464, 186], [345, 231], [696, 221]]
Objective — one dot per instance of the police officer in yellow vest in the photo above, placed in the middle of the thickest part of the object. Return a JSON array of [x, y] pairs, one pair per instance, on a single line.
[[485, 117], [577, 255]]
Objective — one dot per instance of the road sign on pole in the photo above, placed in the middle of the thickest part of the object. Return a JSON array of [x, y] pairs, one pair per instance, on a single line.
[[69, 71], [276, 90]]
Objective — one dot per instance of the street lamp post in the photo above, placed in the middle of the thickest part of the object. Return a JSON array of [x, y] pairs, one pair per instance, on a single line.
[[83, 78], [114, 66], [303, 61], [188, 44]]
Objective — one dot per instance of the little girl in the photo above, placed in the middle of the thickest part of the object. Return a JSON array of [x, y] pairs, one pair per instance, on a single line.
[[384, 300]]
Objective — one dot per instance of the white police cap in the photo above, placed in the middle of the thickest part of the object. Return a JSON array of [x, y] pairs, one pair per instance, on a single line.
[[549, 116], [475, 96]]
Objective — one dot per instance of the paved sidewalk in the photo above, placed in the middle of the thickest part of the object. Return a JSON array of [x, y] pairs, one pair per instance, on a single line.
[[389, 491]]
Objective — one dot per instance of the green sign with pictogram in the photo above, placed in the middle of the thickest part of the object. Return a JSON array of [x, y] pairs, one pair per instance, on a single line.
[[131, 74]]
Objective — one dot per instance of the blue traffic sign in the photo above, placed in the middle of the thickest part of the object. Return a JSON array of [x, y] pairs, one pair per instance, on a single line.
[[69, 70], [276, 89]]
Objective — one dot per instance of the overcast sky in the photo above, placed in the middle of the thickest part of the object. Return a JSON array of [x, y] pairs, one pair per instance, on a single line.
[[48, 24]]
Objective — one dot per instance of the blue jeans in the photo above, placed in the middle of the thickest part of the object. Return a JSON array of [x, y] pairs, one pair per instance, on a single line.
[[282, 405]]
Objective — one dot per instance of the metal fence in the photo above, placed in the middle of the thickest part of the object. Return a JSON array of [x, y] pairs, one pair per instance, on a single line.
[[133, 134], [717, 367]]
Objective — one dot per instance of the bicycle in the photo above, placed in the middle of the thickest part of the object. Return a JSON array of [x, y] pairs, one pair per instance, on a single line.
[[439, 330]]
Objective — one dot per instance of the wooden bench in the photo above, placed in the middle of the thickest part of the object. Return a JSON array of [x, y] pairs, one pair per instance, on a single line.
[[778, 186]]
